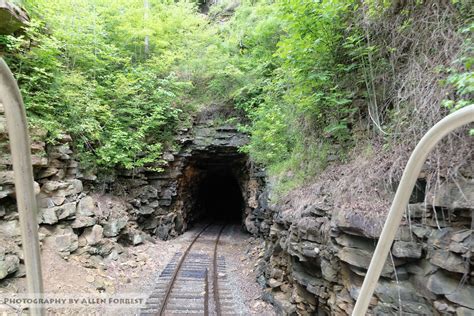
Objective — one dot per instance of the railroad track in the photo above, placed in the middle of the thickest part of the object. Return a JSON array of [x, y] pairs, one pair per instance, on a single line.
[[194, 282]]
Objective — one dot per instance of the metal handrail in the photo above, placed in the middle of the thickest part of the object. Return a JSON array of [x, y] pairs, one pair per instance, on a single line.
[[415, 163], [17, 128]]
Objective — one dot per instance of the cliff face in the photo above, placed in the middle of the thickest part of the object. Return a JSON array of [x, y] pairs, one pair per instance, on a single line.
[[318, 254]]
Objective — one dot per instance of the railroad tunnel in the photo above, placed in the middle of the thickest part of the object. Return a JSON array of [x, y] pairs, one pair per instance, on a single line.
[[214, 186], [219, 196]]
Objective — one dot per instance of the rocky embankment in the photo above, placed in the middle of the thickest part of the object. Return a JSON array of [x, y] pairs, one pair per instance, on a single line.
[[71, 217], [317, 256], [97, 219]]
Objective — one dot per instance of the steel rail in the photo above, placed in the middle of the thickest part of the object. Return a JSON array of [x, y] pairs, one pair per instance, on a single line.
[[215, 281], [176, 271], [17, 128], [206, 292], [412, 170]]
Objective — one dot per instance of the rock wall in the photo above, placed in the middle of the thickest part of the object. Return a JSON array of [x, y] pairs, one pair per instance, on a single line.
[[71, 216], [317, 256], [164, 201]]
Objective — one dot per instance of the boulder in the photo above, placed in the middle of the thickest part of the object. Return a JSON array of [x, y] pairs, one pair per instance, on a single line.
[[46, 173], [358, 223], [54, 214], [83, 221], [390, 291], [48, 216], [86, 207], [61, 152], [94, 235], [440, 284], [443, 307], [145, 210], [404, 249], [66, 211], [449, 261], [10, 229], [356, 242], [38, 161], [62, 188], [12, 18], [58, 200], [8, 264], [163, 231], [452, 195], [420, 231], [250, 224], [52, 186], [44, 201], [309, 249], [137, 239], [361, 259], [461, 235], [75, 187], [66, 241], [145, 193], [313, 228], [106, 247], [461, 242], [113, 226], [6, 177], [274, 283], [329, 271], [6, 190], [463, 295]]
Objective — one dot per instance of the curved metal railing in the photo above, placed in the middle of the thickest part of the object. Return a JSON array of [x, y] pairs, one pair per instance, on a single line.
[[17, 128]]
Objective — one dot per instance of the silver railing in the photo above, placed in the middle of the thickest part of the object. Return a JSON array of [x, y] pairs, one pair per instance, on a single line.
[[17, 128]]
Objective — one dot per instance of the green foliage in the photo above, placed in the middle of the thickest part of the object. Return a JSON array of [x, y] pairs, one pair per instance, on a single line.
[[461, 75], [83, 70], [293, 67], [296, 95], [34, 58]]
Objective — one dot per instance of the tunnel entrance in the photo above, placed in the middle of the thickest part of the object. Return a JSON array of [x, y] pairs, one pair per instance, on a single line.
[[214, 187], [219, 197], [208, 179]]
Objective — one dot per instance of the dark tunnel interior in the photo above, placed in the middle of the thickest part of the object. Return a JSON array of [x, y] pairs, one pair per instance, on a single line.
[[219, 197]]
